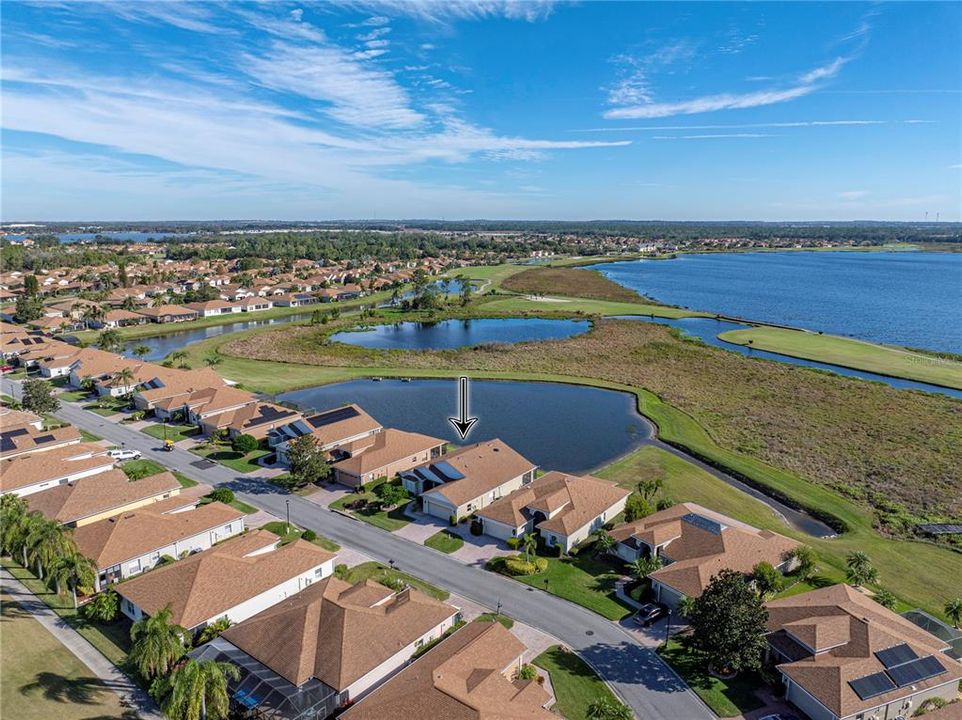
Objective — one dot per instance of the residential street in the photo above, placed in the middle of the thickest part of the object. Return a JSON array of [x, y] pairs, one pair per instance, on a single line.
[[651, 688]]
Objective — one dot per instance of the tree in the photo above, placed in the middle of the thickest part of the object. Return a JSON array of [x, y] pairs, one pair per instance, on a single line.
[[466, 289], [197, 690], [860, 569], [306, 460], [885, 598], [222, 494], [529, 543], [608, 709], [213, 630], [649, 487], [728, 623], [28, 308], [636, 507], [767, 579], [212, 360], [685, 606], [642, 567], [126, 378], [31, 285], [392, 494], [142, 351], [158, 644], [37, 397], [46, 542], [92, 313], [953, 611], [110, 340], [180, 357], [103, 607], [605, 542], [805, 561], [15, 523], [75, 571], [244, 444]]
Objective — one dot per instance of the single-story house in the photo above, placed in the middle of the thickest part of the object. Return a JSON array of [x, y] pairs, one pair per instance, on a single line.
[[842, 655], [294, 299], [25, 475], [473, 674], [120, 318], [132, 542], [328, 646], [95, 497], [331, 429], [564, 509], [236, 579], [169, 313], [214, 308], [469, 479], [24, 439], [694, 544], [208, 402], [10, 418], [254, 304], [169, 384], [257, 419], [384, 454]]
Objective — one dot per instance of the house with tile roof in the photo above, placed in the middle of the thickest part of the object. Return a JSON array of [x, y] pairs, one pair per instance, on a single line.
[[32, 473], [132, 542], [564, 509], [236, 579], [24, 439], [328, 646], [694, 544], [257, 419], [469, 479], [472, 675], [383, 455], [331, 428], [842, 655]]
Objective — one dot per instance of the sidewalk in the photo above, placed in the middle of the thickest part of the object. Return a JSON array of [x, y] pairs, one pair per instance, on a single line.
[[85, 652]]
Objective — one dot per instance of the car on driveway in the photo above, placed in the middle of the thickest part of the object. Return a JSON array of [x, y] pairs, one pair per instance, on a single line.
[[649, 613], [125, 454], [780, 716]]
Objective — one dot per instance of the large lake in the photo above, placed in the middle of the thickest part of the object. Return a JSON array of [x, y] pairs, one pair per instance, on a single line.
[[560, 427], [901, 298], [448, 334]]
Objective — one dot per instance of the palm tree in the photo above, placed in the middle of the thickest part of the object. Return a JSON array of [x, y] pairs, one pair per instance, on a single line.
[[953, 611], [141, 351], [104, 607], [198, 690], [15, 523], [212, 360], [645, 566], [126, 377], [860, 569], [605, 542], [110, 340], [179, 356], [607, 709], [75, 571], [91, 313], [45, 543], [157, 643], [685, 606], [529, 544]]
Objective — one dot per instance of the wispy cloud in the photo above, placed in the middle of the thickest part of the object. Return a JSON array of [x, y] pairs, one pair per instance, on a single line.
[[739, 126], [709, 103], [853, 194], [446, 11], [715, 136], [633, 85]]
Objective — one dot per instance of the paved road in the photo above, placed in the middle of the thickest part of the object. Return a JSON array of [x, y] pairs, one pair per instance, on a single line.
[[639, 676]]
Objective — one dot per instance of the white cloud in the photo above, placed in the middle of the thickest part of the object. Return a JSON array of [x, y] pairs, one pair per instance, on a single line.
[[797, 124], [447, 11], [709, 103], [713, 136], [853, 194], [297, 15], [824, 72], [634, 86]]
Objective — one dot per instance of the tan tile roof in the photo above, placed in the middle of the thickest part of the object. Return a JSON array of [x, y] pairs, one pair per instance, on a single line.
[[23, 470], [117, 315], [338, 432], [27, 439], [858, 627], [387, 447], [699, 554], [10, 418], [99, 494], [578, 500], [139, 532], [337, 632], [218, 399], [179, 382], [461, 678], [485, 466], [208, 584], [161, 310], [256, 419]]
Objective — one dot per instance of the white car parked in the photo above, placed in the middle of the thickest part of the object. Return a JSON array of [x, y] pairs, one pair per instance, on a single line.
[[125, 454]]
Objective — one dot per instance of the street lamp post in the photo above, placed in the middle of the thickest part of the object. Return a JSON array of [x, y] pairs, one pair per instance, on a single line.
[[668, 626], [288, 502]]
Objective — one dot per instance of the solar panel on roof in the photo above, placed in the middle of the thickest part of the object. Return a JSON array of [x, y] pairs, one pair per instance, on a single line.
[[6, 444], [16, 433], [426, 474], [916, 671], [333, 416], [43, 439], [896, 655], [446, 469], [700, 521], [872, 685]]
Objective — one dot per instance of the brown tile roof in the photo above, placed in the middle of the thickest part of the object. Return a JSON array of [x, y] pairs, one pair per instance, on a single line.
[[208, 584], [139, 532], [98, 494], [952, 711], [698, 554], [485, 466], [179, 382], [339, 431], [386, 447], [16, 418], [256, 419], [218, 399], [337, 632], [27, 439], [578, 500], [21, 471], [858, 627], [461, 678], [163, 310]]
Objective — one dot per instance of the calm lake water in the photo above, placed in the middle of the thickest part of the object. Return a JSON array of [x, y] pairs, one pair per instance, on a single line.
[[460, 333], [128, 236], [559, 427], [902, 298]]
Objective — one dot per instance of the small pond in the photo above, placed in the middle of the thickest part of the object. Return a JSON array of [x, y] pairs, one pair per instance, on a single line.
[[560, 427], [447, 334]]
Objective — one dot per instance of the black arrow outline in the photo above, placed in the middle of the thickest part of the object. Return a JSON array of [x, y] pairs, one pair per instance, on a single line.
[[463, 423]]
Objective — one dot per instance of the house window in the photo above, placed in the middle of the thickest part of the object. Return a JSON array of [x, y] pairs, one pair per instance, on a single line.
[[418, 643], [318, 572], [227, 528]]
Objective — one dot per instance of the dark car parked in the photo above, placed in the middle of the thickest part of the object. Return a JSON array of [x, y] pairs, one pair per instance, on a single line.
[[649, 613]]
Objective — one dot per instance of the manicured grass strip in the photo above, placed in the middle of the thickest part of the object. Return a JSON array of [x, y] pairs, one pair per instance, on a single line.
[[231, 458], [492, 617], [73, 396], [89, 436], [587, 307], [102, 411], [290, 533], [236, 504], [727, 698], [576, 685], [379, 573], [139, 469], [584, 581], [390, 521], [42, 678], [896, 362], [174, 432], [445, 541], [185, 482]]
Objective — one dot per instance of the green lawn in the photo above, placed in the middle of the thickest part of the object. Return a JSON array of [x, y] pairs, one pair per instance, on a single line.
[[390, 521], [588, 307], [727, 698], [576, 685], [185, 482], [174, 432], [236, 504], [492, 617], [89, 436], [894, 361], [445, 541], [139, 469], [379, 573], [102, 411], [584, 581], [73, 396], [290, 533], [484, 273], [231, 458], [42, 679]]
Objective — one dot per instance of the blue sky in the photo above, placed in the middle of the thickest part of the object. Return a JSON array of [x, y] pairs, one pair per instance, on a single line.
[[484, 109]]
